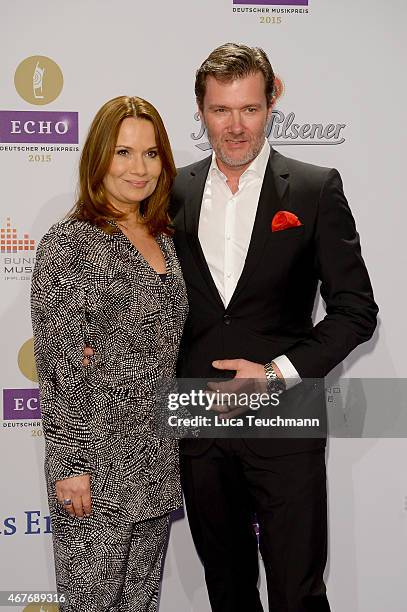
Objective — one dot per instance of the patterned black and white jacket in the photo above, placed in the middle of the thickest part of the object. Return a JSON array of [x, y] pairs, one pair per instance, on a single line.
[[93, 288]]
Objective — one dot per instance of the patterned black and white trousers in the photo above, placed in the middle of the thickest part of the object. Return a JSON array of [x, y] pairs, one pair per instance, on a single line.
[[108, 565]]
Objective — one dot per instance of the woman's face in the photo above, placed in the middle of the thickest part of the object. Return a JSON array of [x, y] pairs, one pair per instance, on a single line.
[[136, 165]]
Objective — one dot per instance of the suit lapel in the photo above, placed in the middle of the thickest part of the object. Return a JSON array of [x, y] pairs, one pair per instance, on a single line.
[[273, 194], [192, 211], [281, 175]]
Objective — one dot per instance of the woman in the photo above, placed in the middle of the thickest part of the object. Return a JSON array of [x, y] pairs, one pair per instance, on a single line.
[[108, 277]]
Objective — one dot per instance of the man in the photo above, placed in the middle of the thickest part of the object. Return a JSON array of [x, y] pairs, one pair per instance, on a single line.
[[251, 292]]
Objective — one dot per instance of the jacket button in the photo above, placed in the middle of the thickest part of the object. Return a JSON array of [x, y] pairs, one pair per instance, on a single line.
[[227, 319]]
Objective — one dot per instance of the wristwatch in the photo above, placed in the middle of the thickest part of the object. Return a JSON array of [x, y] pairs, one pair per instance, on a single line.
[[274, 383]]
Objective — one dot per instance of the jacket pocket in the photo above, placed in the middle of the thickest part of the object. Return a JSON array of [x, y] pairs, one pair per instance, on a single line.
[[288, 234]]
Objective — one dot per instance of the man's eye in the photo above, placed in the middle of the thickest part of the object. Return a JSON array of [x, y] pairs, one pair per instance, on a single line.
[[251, 109], [219, 110]]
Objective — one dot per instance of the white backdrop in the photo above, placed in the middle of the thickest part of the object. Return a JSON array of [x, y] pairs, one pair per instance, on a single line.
[[342, 63]]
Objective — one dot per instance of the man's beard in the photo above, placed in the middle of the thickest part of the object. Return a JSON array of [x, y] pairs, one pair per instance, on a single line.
[[254, 149]]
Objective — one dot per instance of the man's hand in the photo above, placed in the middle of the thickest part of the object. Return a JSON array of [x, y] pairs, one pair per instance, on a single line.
[[253, 380], [244, 368], [87, 352], [76, 490]]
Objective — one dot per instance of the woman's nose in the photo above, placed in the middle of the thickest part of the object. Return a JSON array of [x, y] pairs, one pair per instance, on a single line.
[[138, 165]]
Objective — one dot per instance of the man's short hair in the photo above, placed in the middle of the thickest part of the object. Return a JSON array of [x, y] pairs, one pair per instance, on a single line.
[[233, 61]]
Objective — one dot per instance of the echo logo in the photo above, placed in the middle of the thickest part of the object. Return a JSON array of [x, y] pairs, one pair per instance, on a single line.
[[39, 127], [43, 607], [38, 80], [273, 2], [21, 404], [26, 360]]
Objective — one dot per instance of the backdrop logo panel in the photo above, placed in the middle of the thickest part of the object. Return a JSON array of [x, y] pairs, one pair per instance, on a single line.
[[285, 129], [273, 2], [10, 242], [38, 80], [43, 607], [270, 11], [26, 361], [29, 522], [21, 404], [21, 407], [17, 265], [39, 127]]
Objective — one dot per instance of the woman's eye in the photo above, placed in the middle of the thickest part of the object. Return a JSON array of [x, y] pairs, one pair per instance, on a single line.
[[152, 154], [122, 152]]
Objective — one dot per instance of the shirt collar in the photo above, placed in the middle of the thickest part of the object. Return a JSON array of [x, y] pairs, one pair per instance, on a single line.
[[257, 167]]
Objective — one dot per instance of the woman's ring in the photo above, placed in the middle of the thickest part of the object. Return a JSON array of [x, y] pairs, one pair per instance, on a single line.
[[67, 502]]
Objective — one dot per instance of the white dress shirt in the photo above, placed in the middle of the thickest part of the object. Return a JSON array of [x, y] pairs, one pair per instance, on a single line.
[[225, 228]]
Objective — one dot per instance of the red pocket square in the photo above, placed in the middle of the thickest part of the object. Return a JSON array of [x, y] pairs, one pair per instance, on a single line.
[[284, 219]]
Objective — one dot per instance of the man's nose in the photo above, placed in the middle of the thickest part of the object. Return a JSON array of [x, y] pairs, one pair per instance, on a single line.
[[236, 124]]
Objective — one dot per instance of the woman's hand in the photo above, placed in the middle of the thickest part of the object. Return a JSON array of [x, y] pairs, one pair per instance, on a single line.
[[76, 491]]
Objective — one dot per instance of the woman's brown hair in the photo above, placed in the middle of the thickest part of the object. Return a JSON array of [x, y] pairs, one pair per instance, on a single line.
[[97, 154]]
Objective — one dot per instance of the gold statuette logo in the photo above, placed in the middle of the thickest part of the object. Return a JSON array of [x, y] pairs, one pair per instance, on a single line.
[[38, 80]]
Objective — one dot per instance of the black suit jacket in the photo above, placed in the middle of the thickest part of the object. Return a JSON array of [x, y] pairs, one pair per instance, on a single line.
[[270, 312]]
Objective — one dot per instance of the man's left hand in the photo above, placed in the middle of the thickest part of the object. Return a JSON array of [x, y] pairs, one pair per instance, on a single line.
[[244, 368], [252, 379]]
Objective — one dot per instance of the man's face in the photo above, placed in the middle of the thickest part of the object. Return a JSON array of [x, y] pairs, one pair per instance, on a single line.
[[235, 114]]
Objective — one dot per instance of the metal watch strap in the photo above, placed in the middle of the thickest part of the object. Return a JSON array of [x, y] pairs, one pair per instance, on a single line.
[[274, 383]]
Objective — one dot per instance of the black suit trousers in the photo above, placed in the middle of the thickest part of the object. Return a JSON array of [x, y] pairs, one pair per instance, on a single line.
[[228, 488]]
